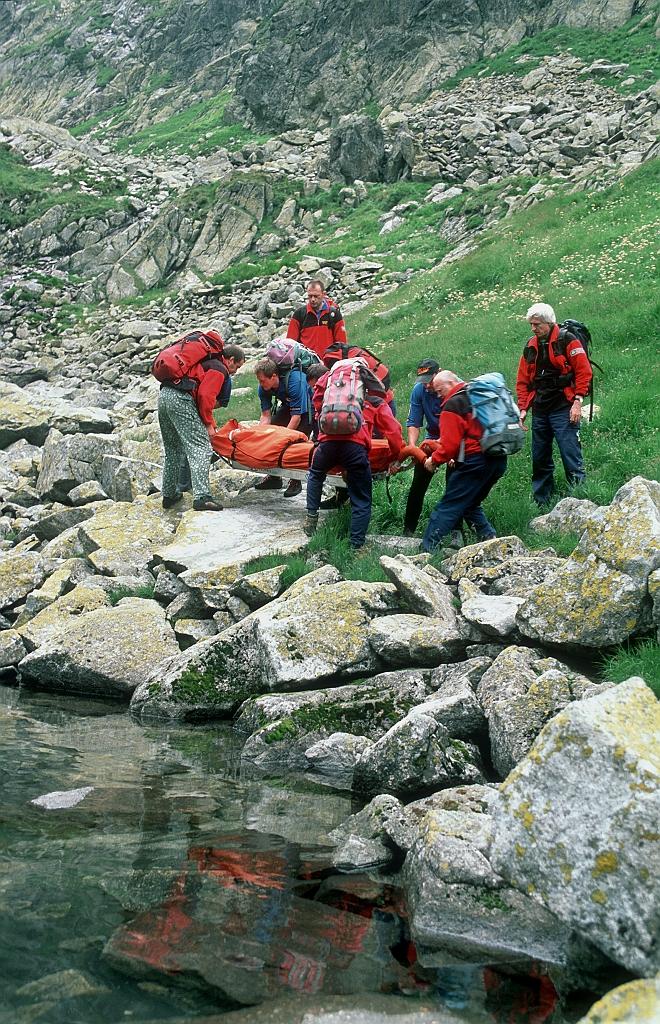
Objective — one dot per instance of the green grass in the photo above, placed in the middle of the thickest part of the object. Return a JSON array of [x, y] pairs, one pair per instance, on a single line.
[[634, 659], [629, 44], [198, 130]]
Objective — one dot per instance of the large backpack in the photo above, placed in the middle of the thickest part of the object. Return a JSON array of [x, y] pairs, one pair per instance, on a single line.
[[173, 363], [574, 329], [340, 350], [291, 355], [343, 400], [493, 407]]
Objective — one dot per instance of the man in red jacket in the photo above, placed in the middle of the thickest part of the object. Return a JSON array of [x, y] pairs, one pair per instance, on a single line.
[[185, 418], [351, 453], [473, 474], [554, 375], [318, 324]]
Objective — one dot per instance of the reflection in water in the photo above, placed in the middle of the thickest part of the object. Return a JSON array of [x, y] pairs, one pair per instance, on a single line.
[[177, 888]]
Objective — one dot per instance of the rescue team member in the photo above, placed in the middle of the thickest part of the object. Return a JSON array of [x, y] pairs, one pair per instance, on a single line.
[[284, 402], [471, 479], [318, 324], [554, 375], [352, 455], [425, 407], [185, 418]]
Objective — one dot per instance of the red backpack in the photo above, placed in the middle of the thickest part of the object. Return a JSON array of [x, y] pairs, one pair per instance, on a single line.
[[343, 399], [339, 350], [174, 362]]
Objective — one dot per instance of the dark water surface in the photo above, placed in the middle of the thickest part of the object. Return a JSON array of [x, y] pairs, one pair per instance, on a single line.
[[178, 888]]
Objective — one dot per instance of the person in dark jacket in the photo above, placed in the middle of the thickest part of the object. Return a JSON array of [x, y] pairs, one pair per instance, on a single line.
[[185, 418], [425, 407], [473, 474], [318, 324], [554, 377], [285, 402], [351, 453]]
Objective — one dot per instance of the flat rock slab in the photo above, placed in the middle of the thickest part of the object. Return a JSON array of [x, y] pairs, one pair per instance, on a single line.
[[263, 524]]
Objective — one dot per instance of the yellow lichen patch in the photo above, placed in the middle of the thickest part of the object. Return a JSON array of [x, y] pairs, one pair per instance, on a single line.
[[619, 752], [524, 813], [637, 1002], [605, 863], [598, 896], [520, 850]]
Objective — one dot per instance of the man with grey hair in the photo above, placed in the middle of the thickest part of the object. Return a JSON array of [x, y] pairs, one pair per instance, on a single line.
[[554, 376], [473, 474]]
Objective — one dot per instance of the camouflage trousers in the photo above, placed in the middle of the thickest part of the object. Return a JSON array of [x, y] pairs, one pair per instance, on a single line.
[[185, 438]]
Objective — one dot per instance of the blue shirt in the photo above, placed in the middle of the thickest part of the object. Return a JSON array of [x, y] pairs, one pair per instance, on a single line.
[[291, 392], [425, 406]]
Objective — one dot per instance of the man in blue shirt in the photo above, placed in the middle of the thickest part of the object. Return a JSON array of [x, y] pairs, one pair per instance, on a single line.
[[284, 400], [425, 407]]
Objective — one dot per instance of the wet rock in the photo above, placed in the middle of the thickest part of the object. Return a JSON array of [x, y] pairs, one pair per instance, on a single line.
[[637, 1002], [594, 858], [520, 692], [364, 841], [415, 755], [315, 631], [416, 640], [334, 758], [67, 984], [284, 727], [585, 604], [494, 616], [106, 652]]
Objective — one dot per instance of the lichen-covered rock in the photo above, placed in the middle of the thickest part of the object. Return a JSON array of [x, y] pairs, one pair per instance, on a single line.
[[24, 415], [12, 648], [520, 692], [517, 577], [121, 538], [364, 841], [484, 555], [66, 576], [577, 825], [417, 640], [314, 632], [568, 515], [283, 727], [654, 594], [626, 535], [415, 755], [20, 573], [191, 631], [585, 604], [423, 590], [258, 588], [334, 757], [106, 652], [637, 1002], [494, 616], [70, 460], [455, 706]]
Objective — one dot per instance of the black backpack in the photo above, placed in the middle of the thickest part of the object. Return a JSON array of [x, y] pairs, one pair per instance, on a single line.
[[574, 329]]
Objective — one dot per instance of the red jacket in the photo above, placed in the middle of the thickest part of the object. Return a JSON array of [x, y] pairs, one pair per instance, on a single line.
[[317, 330], [457, 424], [566, 355], [210, 375], [377, 416]]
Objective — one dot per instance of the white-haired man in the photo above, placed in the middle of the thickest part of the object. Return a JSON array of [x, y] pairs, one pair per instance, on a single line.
[[554, 375], [472, 478]]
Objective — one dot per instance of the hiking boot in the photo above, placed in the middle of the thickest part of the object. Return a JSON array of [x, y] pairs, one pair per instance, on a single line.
[[270, 483], [339, 498], [207, 504], [171, 502], [292, 488], [310, 524]]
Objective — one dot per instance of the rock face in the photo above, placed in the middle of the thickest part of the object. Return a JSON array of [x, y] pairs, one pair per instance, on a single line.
[[357, 149], [107, 652], [23, 416], [520, 692], [577, 823], [638, 1002], [316, 631]]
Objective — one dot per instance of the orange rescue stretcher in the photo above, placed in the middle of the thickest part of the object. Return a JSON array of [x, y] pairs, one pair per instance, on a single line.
[[278, 451]]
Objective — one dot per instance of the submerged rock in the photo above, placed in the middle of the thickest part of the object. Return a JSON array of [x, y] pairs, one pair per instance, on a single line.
[[577, 823], [366, 839]]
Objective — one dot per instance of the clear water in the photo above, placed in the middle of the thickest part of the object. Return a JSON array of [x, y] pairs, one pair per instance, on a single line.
[[177, 877]]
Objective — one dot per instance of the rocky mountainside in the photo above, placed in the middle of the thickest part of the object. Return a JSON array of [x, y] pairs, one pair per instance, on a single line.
[[287, 62]]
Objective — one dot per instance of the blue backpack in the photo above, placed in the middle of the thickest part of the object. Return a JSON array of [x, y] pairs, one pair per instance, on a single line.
[[494, 409]]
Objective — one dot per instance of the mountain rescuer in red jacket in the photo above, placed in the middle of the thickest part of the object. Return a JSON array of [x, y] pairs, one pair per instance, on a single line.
[[473, 474], [554, 375], [351, 453], [318, 324]]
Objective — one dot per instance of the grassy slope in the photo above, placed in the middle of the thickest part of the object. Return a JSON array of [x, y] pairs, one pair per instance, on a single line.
[[594, 257]]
